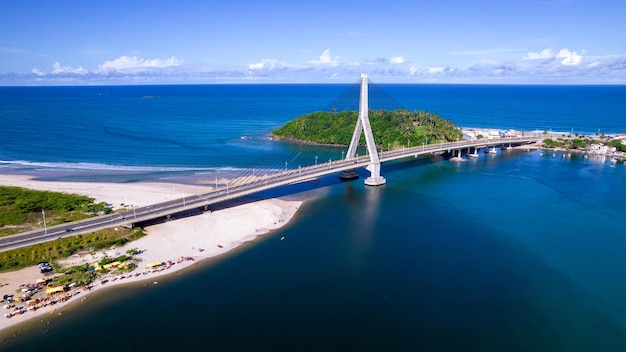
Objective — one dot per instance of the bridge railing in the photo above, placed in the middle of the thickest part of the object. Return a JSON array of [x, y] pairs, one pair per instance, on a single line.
[[252, 185]]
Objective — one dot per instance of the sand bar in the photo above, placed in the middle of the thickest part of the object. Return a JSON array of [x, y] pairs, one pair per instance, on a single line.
[[178, 244]]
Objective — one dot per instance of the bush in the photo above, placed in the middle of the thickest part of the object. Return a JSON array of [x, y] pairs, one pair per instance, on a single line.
[[61, 248], [20, 205]]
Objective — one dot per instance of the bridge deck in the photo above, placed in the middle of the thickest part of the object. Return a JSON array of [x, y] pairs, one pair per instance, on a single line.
[[239, 188]]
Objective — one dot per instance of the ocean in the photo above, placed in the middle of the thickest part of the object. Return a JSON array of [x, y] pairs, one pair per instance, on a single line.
[[519, 251]]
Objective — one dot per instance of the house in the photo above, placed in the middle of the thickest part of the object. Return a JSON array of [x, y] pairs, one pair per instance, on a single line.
[[600, 149]]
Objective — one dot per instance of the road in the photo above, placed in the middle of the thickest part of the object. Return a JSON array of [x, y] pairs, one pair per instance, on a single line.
[[238, 188]]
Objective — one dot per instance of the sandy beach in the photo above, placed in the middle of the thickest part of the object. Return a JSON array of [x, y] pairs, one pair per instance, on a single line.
[[178, 244]]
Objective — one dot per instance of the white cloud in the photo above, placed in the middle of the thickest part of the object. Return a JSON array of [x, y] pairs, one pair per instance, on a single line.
[[570, 58], [135, 63], [436, 70], [58, 69], [37, 72], [326, 59], [397, 60], [544, 54], [267, 64], [545, 66]]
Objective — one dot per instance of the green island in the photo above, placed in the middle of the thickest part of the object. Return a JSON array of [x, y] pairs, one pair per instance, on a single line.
[[21, 210], [391, 128]]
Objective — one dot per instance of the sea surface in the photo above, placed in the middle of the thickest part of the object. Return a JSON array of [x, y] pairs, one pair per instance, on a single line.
[[518, 251]]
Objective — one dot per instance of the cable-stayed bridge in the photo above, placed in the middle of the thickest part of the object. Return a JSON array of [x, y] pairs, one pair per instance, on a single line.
[[266, 175]]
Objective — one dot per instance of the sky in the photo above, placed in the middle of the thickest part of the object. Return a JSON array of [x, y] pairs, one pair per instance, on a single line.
[[106, 42]]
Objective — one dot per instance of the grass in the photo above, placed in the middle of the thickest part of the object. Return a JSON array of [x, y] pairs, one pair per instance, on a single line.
[[19, 258]]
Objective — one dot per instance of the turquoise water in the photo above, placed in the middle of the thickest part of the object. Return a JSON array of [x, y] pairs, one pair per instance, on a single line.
[[515, 252]]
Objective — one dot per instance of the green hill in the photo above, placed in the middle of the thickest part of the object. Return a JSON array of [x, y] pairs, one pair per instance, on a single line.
[[390, 128]]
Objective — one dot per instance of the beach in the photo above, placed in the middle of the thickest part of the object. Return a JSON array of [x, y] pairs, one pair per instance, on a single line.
[[177, 244]]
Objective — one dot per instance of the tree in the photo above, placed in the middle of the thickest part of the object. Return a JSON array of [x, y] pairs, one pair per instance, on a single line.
[[396, 128], [579, 144], [550, 143]]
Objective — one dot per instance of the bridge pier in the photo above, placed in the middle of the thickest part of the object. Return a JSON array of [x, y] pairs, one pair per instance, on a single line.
[[375, 179]]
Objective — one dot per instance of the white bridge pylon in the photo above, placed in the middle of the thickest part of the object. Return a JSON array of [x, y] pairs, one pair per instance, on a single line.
[[363, 125]]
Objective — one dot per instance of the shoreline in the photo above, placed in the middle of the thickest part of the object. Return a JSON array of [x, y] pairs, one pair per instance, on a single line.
[[179, 244]]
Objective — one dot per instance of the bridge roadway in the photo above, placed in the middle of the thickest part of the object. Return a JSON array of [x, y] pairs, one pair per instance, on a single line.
[[237, 188]]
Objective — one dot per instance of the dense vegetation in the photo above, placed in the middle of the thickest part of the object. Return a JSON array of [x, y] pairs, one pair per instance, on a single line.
[[391, 129], [568, 143], [21, 209], [582, 142], [64, 247], [621, 147]]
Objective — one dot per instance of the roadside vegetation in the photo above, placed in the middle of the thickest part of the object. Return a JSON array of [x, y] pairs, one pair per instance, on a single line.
[[391, 129], [23, 209], [62, 248]]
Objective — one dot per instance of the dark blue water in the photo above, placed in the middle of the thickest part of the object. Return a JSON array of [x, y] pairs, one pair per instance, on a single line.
[[513, 252]]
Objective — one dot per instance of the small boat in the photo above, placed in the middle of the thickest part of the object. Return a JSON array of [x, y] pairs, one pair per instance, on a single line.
[[282, 238], [349, 174], [472, 155]]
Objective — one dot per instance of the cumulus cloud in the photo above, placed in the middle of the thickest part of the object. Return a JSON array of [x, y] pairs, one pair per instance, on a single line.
[[326, 59], [570, 58], [397, 60], [37, 72], [267, 64], [544, 54], [542, 66], [135, 63], [58, 69], [436, 70], [124, 68]]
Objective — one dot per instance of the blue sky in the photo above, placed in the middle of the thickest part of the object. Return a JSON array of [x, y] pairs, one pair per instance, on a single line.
[[234, 41]]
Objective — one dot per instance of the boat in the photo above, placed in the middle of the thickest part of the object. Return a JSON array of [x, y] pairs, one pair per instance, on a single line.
[[348, 174]]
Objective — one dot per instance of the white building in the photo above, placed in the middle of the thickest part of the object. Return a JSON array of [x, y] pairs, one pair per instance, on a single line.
[[600, 149]]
